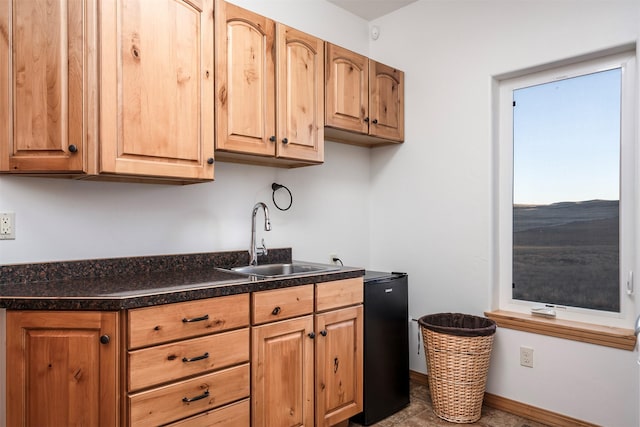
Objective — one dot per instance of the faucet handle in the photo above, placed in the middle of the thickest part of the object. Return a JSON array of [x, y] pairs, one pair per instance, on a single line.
[[262, 250]]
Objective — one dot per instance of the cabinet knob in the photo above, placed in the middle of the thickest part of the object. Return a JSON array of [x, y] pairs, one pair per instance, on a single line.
[[104, 339], [272, 138], [276, 311], [73, 148], [323, 332], [285, 141], [312, 335], [375, 121], [366, 119], [210, 160]]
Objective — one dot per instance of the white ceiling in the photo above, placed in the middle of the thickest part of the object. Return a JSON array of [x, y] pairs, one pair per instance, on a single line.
[[371, 9]]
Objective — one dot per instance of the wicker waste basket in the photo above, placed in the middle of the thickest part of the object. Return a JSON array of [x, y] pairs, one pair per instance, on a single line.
[[458, 348]]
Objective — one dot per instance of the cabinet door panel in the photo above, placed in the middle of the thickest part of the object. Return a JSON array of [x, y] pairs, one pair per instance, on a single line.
[[61, 374], [339, 361], [280, 304], [282, 374], [339, 293], [44, 55], [157, 84], [164, 363], [170, 322], [300, 95], [233, 415], [386, 101], [182, 399], [245, 81], [347, 89], [160, 59]]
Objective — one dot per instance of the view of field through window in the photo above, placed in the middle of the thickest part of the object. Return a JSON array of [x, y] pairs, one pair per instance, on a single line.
[[566, 187]]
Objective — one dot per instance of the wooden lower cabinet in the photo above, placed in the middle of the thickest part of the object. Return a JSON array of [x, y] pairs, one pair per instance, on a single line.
[[339, 361], [188, 363], [196, 363], [282, 374], [307, 371], [62, 368]]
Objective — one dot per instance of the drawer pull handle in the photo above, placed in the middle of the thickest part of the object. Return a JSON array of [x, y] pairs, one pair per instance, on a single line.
[[276, 311], [196, 319], [193, 399], [195, 359]]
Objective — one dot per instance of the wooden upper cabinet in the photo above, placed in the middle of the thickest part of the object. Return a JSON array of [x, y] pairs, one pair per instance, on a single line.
[[156, 88], [347, 89], [63, 368], [245, 89], [386, 102], [44, 73], [300, 85], [364, 99], [269, 91]]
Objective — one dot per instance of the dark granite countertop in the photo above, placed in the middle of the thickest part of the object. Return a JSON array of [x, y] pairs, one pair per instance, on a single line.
[[123, 283]]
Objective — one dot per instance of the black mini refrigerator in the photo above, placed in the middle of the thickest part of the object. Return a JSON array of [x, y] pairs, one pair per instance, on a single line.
[[386, 346]]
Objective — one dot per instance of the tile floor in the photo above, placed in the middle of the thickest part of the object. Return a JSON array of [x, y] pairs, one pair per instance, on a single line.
[[419, 413]]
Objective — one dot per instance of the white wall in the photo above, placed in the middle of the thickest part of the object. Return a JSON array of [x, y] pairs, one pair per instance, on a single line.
[[441, 229], [59, 219]]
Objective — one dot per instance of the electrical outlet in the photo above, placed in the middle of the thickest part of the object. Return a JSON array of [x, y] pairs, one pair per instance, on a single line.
[[526, 357], [7, 226], [332, 257]]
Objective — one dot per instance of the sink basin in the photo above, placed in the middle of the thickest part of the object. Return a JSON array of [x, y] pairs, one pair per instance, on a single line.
[[276, 270]]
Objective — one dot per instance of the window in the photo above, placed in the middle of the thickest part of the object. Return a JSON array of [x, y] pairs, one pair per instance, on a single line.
[[566, 190]]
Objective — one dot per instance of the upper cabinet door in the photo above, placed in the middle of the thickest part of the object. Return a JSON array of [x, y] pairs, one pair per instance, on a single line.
[[386, 102], [347, 89], [44, 61], [245, 81], [300, 86], [156, 100]]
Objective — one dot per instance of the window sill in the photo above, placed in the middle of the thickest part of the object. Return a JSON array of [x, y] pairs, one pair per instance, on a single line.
[[608, 336]]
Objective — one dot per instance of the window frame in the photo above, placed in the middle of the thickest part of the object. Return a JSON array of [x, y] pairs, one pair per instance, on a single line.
[[505, 85]]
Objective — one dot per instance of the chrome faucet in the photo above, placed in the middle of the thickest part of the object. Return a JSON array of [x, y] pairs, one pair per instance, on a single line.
[[254, 250]]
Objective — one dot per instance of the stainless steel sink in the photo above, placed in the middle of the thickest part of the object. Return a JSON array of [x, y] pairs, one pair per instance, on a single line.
[[277, 270]]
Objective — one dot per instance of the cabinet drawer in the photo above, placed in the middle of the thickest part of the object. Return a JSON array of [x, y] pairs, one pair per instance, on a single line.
[[234, 415], [170, 322], [185, 398], [279, 304], [168, 362], [340, 293]]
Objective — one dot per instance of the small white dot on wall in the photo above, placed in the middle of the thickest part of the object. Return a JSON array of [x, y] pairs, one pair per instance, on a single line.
[[375, 32]]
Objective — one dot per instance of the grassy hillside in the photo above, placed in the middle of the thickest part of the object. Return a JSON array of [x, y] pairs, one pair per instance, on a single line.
[[567, 254]]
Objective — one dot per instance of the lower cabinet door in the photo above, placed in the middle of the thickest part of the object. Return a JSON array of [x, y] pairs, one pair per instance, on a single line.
[[339, 346], [282, 373], [62, 368]]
